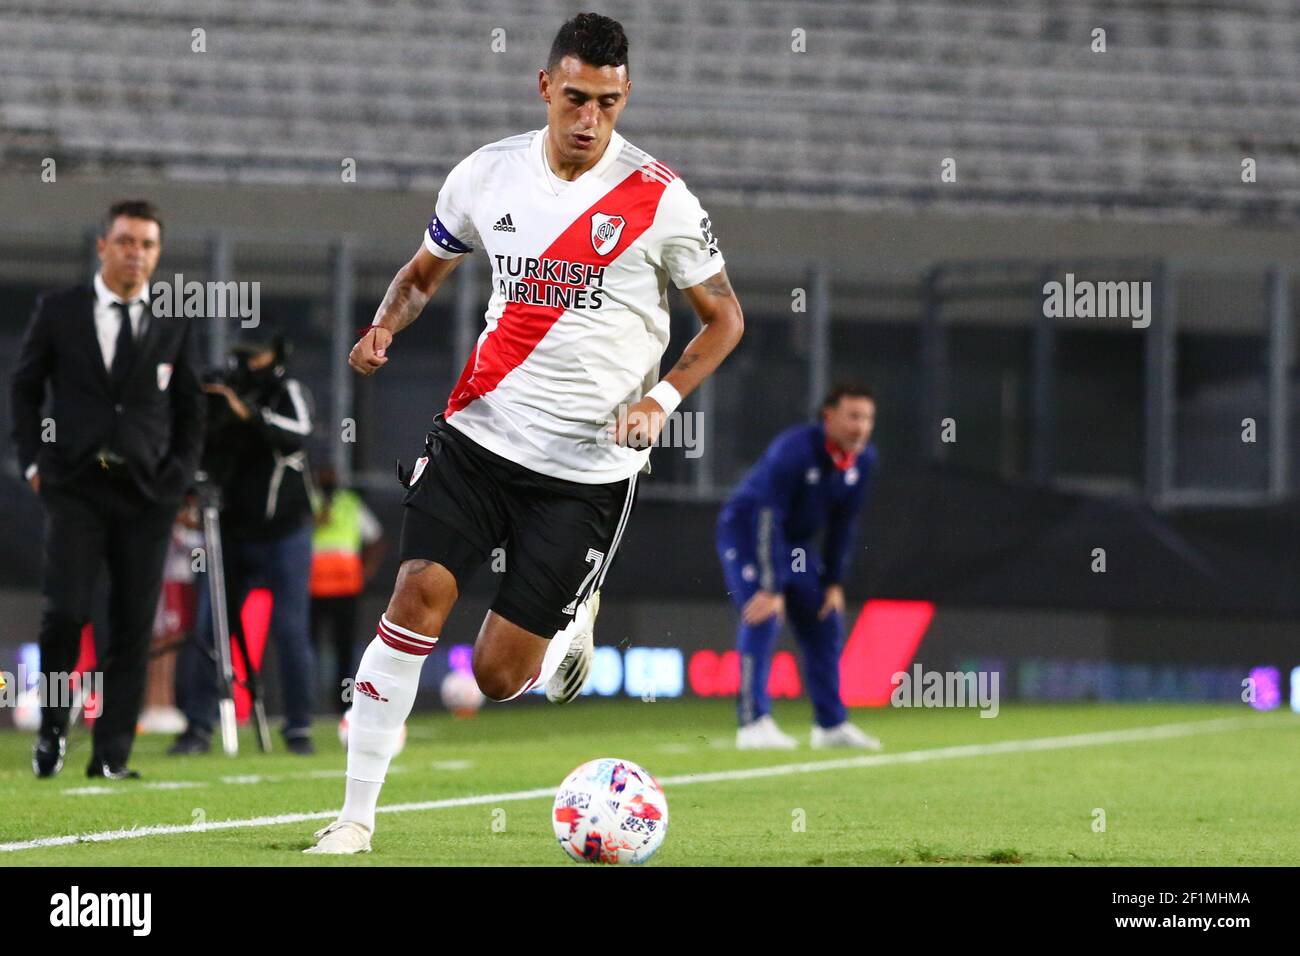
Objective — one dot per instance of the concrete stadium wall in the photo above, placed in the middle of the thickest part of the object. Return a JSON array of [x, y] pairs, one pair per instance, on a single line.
[[887, 241]]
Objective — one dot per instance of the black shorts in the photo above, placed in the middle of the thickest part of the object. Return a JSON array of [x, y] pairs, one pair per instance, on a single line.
[[551, 540]]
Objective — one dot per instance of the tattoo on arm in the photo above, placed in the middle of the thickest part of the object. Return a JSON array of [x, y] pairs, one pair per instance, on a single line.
[[718, 285], [402, 304], [723, 325], [686, 361]]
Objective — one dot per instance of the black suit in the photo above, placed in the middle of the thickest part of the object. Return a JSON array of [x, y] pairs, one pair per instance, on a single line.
[[116, 507]]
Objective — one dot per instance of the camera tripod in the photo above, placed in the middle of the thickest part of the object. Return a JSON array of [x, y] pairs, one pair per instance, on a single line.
[[210, 506]]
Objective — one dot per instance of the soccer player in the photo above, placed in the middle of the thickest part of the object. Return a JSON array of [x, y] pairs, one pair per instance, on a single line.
[[812, 477], [542, 438]]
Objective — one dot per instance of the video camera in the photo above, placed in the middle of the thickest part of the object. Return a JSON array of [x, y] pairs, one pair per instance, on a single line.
[[249, 385]]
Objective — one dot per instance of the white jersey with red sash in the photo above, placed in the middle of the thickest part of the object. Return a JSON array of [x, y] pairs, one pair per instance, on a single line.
[[578, 317]]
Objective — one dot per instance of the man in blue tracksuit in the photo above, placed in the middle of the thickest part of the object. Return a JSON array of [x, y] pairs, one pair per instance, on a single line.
[[813, 478]]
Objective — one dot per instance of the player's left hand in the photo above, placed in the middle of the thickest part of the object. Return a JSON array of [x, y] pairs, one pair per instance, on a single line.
[[638, 425], [236, 404], [833, 602]]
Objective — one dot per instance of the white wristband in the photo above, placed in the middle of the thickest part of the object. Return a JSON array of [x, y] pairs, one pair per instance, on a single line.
[[667, 396]]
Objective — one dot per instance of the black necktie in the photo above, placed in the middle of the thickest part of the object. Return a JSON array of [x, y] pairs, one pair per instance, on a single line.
[[124, 355]]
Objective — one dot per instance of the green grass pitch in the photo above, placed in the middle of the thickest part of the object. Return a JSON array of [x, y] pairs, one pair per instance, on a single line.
[[1219, 786]]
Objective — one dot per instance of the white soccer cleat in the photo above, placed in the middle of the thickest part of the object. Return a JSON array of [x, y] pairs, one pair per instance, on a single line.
[[764, 734], [341, 837], [571, 676], [845, 735]]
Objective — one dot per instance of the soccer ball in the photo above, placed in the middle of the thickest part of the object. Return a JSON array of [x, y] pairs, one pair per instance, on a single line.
[[610, 811], [343, 733], [460, 694], [27, 711]]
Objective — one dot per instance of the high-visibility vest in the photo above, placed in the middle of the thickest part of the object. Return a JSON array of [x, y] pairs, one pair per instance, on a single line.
[[336, 569]]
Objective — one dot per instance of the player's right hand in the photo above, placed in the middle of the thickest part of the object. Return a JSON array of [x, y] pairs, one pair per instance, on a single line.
[[762, 606], [369, 355]]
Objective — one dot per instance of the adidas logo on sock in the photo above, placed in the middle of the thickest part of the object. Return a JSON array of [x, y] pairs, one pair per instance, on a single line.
[[504, 224], [367, 688]]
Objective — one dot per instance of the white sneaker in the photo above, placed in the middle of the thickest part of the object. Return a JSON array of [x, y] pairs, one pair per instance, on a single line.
[[571, 676], [764, 734], [341, 837], [845, 735], [160, 720]]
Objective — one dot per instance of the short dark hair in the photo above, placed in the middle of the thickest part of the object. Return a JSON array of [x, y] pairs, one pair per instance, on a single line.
[[593, 39], [845, 390], [132, 209]]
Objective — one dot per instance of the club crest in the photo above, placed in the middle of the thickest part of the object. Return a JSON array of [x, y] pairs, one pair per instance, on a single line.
[[420, 464], [605, 231]]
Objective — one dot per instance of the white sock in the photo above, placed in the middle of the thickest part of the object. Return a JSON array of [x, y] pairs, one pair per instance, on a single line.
[[382, 697]]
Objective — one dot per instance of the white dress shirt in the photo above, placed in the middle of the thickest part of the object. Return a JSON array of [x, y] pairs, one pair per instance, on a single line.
[[108, 320]]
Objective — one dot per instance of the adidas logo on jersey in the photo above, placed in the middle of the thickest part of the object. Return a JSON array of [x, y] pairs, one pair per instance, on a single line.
[[504, 224]]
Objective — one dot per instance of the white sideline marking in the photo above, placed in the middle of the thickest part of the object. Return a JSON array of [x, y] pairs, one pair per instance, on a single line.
[[237, 779], [1151, 732], [110, 791], [173, 785], [452, 764], [674, 748]]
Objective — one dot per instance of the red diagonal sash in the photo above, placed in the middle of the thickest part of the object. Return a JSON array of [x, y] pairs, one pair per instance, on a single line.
[[523, 325]]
